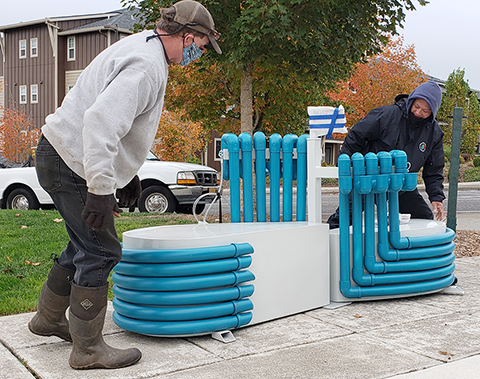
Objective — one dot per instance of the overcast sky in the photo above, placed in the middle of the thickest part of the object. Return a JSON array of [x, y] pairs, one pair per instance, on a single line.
[[444, 33]]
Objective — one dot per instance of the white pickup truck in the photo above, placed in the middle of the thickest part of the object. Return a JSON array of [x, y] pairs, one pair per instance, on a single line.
[[166, 187]]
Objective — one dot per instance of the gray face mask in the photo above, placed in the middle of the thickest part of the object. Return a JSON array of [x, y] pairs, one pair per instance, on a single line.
[[190, 54]]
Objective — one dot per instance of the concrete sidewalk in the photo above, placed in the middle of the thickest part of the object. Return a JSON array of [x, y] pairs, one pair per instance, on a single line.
[[434, 336]]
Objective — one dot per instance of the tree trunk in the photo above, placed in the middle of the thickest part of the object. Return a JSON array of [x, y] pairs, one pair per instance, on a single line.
[[246, 100]]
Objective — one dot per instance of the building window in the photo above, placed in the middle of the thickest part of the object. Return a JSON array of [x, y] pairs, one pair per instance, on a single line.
[[218, 150], [71, 49], [33, 47], [34, 93], [23, 94], [23, 49]]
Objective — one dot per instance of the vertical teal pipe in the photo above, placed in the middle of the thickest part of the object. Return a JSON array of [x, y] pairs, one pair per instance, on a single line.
[[371, 160], [399, 159], [260, 145], [385, 162], [345, 187], [396, 184], [302, 178], [288, 144], [275, 175], [226, 165], [358, 164], [234, 173], [247, 170]]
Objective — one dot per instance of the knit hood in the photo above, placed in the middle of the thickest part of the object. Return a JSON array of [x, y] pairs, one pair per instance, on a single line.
[[430, 92]]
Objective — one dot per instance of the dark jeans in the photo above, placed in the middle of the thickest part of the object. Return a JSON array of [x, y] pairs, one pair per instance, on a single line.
[[91, 253], [408, 202]]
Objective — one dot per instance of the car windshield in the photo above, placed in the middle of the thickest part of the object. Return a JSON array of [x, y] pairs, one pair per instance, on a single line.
[[152, 157]]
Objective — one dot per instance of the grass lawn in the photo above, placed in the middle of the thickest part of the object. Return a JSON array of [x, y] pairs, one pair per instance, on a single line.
[[28, 240]]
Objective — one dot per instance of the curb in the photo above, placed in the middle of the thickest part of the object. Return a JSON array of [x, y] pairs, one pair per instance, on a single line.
[[464, 186]]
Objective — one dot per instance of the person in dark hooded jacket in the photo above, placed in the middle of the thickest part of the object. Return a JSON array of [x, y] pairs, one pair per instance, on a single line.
[[409, 124]]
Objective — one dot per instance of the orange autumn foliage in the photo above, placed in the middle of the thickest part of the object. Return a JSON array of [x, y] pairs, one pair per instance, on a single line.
[[178, 139], [18, 135], [375, 83]]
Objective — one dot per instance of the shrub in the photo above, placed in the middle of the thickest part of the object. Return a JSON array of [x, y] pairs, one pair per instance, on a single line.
[[472, 174], [330, 182], [466, 157], [447, 151], [476, 161]]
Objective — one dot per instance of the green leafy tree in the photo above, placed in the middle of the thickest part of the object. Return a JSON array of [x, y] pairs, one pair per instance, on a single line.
[[458, 94], [312, 41], [213, 96], [379, 80]]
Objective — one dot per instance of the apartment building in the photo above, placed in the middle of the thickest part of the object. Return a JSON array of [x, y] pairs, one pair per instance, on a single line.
[[41, 60]]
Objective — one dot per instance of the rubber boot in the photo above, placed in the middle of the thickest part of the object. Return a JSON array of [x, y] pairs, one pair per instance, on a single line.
[[88, 306], [54, 300]]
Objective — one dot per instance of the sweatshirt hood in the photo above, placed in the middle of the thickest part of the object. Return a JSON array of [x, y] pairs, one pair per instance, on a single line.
[[430, 92]]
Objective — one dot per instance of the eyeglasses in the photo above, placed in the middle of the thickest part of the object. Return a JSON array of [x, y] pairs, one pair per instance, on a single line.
[[215, 34], [211, 32]]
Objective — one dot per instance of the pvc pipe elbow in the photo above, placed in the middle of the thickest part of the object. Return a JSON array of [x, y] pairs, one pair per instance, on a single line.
[[385, 160], [275, 143], [381, 183], [260, 141], [410, 181], [302, 144], [396, 182], [399, 242], [358, 164], [399, 160], [350, 292], [245, 140], [362, 279], [371, 162], [375, 267], [344, 185], [387, 254], [344, 166], [364, 184], [289, 142]]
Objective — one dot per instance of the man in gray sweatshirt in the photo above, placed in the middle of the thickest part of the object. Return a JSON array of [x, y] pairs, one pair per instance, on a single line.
[[89, 154]]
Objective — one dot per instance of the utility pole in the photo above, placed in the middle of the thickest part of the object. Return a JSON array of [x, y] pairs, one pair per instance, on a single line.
[[454, 169]]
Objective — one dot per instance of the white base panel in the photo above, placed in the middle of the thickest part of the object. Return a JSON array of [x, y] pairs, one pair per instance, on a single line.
[[290, 260]]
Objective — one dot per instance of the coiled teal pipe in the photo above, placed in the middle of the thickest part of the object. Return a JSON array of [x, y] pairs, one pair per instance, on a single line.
[[182, 283], [184, 268], [185, 313], [183, 297], [182, 328], [186, 255], [408, 277]]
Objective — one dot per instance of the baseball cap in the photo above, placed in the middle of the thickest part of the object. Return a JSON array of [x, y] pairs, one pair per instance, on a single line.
[[194, 15]]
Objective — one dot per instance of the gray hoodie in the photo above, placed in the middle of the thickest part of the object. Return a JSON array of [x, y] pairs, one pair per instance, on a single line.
[[107, 122]]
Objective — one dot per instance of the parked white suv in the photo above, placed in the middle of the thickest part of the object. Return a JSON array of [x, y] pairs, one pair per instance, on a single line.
[[166, 187]]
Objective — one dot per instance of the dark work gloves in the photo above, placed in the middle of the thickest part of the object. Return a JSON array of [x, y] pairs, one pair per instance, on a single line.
[[98, 209], [128, 195]]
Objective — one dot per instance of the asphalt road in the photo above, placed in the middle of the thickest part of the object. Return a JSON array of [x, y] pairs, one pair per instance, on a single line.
[[468, 201]]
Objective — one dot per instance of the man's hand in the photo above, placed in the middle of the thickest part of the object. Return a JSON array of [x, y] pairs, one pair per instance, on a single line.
[[128, 195], [438, 211], [97, 210]]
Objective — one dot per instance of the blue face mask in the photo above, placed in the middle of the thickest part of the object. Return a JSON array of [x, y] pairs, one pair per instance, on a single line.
[[190, 54]]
